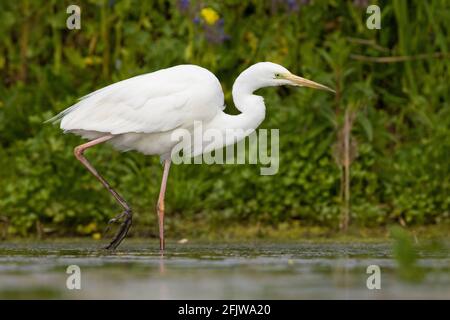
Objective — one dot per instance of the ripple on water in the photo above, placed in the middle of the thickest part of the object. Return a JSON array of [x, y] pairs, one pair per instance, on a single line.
[[216, 270]]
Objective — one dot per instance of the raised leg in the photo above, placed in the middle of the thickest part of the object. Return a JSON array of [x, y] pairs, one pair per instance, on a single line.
[[126, 214], [160, 205]]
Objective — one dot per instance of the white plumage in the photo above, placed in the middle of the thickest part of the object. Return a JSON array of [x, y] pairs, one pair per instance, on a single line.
[[143, 112]]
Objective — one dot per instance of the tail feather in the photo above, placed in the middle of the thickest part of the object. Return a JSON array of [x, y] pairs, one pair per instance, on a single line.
[[61, 115]]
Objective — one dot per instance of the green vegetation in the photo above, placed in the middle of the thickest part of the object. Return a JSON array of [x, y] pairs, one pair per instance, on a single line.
[[406, 255], [377, 151]]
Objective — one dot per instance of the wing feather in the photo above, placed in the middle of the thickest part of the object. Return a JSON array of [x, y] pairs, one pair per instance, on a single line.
[[154, 102]]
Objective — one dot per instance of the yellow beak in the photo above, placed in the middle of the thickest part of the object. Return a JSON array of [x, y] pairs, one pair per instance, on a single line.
[[299, 81]]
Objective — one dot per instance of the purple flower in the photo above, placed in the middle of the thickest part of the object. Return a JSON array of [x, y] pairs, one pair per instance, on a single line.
[[216, 33], [293, 5], [361, 3], [183, 5], [289, 5]]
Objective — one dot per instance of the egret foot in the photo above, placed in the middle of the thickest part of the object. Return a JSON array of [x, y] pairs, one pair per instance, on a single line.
[[123, 229], [114, 220]]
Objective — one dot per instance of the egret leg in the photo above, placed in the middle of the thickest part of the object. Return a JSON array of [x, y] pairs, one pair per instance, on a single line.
[[160, 205], [126, 214]]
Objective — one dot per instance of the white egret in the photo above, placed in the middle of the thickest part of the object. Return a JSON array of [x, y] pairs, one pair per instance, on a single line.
[[141, 113]]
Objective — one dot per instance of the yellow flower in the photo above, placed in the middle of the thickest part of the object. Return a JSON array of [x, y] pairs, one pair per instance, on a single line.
[[88, 61], [209, 15], [91, 227], [91, 60], [96, 236]]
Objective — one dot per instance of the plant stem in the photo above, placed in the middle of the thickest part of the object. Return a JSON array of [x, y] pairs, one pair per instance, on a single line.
[[346, 207]]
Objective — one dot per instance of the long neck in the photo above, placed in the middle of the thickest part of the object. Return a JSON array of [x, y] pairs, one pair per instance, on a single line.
[[252, 108], [236, 127]]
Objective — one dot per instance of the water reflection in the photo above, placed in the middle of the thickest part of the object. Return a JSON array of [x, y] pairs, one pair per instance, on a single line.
[[163, 289], [215, 271]]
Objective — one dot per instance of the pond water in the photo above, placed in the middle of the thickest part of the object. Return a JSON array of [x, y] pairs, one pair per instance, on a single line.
[[195, 270]]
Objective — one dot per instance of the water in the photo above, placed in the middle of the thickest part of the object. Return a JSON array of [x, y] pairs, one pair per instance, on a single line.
[[257, 270]]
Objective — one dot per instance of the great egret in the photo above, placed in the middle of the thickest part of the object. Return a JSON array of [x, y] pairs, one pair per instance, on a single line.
[[141, 113]]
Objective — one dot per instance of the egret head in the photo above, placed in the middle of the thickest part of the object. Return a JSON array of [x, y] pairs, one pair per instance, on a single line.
[[269, 74]]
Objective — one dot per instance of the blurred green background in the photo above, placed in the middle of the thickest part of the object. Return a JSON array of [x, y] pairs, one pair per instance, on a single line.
[[375, 154]]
